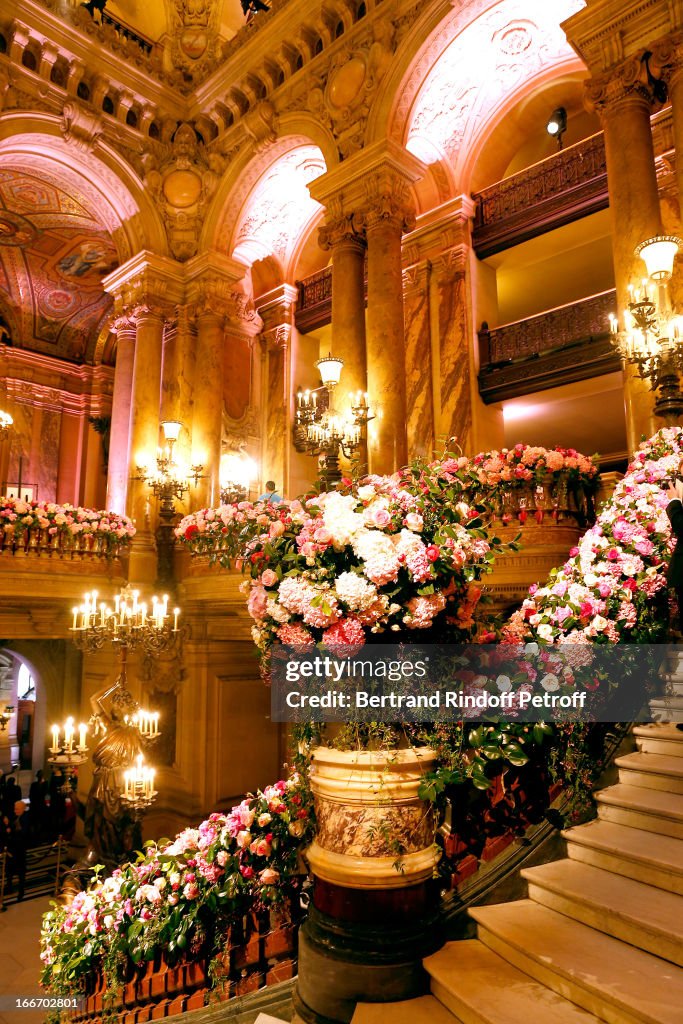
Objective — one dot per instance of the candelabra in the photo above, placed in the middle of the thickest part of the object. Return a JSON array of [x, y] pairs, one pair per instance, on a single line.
[[66, 755], [138, 788], [651, 337], [170, 481], [129, 624], [320, 431], [5, 716], [236, 474], [6, 422]]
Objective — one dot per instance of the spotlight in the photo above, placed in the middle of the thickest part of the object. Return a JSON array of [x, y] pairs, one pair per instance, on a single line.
[[557, 125]]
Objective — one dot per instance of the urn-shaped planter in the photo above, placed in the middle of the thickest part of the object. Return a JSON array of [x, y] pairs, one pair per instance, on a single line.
[[373, 830]]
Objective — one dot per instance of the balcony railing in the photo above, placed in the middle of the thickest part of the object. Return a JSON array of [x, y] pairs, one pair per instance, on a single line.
[[562, 188], [560, 346]]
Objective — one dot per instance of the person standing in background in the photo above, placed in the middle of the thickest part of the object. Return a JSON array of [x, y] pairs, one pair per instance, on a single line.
[[270, 494]]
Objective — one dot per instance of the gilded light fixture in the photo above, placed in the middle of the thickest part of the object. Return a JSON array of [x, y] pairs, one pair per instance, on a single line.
[[653, 330]]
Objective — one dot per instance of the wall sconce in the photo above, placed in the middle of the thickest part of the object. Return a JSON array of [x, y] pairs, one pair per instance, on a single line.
[[237, 472], [5, 716], [557, 125]]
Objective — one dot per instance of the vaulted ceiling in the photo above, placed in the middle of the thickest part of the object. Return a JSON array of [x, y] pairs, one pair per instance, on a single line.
[[54, 251]]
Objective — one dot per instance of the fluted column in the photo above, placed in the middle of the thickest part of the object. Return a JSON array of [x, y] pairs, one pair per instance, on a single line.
[[207, 421], [144, 434], [117, 475], [667, 62], [347, 245], [386, 217], [623, 104], [276, 310]]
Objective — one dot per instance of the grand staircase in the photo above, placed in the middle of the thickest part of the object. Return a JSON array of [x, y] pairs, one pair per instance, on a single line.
[[600, 937]]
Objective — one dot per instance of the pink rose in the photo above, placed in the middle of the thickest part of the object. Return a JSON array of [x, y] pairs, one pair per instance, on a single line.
[[277, 528], [268, 578], [269, 876], [381, 518]]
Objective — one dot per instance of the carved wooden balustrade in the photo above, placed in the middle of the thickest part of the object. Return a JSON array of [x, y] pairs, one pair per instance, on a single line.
[[562, 188], [560, 346]]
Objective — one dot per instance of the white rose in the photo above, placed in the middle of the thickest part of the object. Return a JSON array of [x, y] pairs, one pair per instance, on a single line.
[[503, 683], [545, 631], [550, 682]]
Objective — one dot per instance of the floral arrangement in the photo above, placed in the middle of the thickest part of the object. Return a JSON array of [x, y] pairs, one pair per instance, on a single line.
[[18, 518], [182, 895], [223, 533], [387, 555]]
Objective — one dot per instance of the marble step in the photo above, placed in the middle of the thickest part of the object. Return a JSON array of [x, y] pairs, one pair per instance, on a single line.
[[651, 771], [659, 739], [651, 810], [667, 709], [609, 978], [480, 987], [423, 1010], [639, 914], [632, 852]]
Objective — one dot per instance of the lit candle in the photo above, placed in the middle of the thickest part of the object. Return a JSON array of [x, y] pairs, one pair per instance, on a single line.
[[75, 614], [69, 735], [55, 739], [82, 730], [176, 613]]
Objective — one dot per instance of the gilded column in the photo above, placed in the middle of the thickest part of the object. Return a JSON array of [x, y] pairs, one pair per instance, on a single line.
[[177, 378], [144, 434], [623, 103], [386, 216], [347, 244], [117, 476], [667, 62], [455, 338]]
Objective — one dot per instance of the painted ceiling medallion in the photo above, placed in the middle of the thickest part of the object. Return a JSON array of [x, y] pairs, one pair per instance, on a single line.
[[16, 230]]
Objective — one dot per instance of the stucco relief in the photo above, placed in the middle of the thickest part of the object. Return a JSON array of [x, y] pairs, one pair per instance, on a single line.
[[279, 207], [469, 78]]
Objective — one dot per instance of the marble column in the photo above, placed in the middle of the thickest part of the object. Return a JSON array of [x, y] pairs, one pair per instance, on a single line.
[[117, 476], [386, 217], [207, 420], [624, 105], [455, 338], [348, 300], [418, 359], [144, 435]]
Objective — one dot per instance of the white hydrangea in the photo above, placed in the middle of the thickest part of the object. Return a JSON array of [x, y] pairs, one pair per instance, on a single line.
[[341, 519], [355, 591]]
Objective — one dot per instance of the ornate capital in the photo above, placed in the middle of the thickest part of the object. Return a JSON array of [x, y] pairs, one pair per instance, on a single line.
[[147, 310], [342, 229], [666, 61], [387, 200], [625, 83], [123, 324]]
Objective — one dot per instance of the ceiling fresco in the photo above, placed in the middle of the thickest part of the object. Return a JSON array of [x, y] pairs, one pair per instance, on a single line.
[[53, 254]]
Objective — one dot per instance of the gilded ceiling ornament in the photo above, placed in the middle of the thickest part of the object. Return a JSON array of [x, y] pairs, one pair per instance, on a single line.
[[181, 177], [194, 31]]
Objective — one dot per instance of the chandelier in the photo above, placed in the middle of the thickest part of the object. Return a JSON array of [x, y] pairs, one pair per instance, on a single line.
[[169, 480], [6, 422], [130, 623], [651, 336], [320, 430]]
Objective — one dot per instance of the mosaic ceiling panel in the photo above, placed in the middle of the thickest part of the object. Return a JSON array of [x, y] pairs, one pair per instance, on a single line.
[[53, 254]]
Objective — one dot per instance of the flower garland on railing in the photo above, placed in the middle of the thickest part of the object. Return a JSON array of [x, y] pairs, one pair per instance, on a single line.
[[183, 895], [223, 533], [60, 526], [613, 587]]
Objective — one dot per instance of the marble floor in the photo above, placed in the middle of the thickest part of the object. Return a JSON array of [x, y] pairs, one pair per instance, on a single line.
[[19, 959]]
